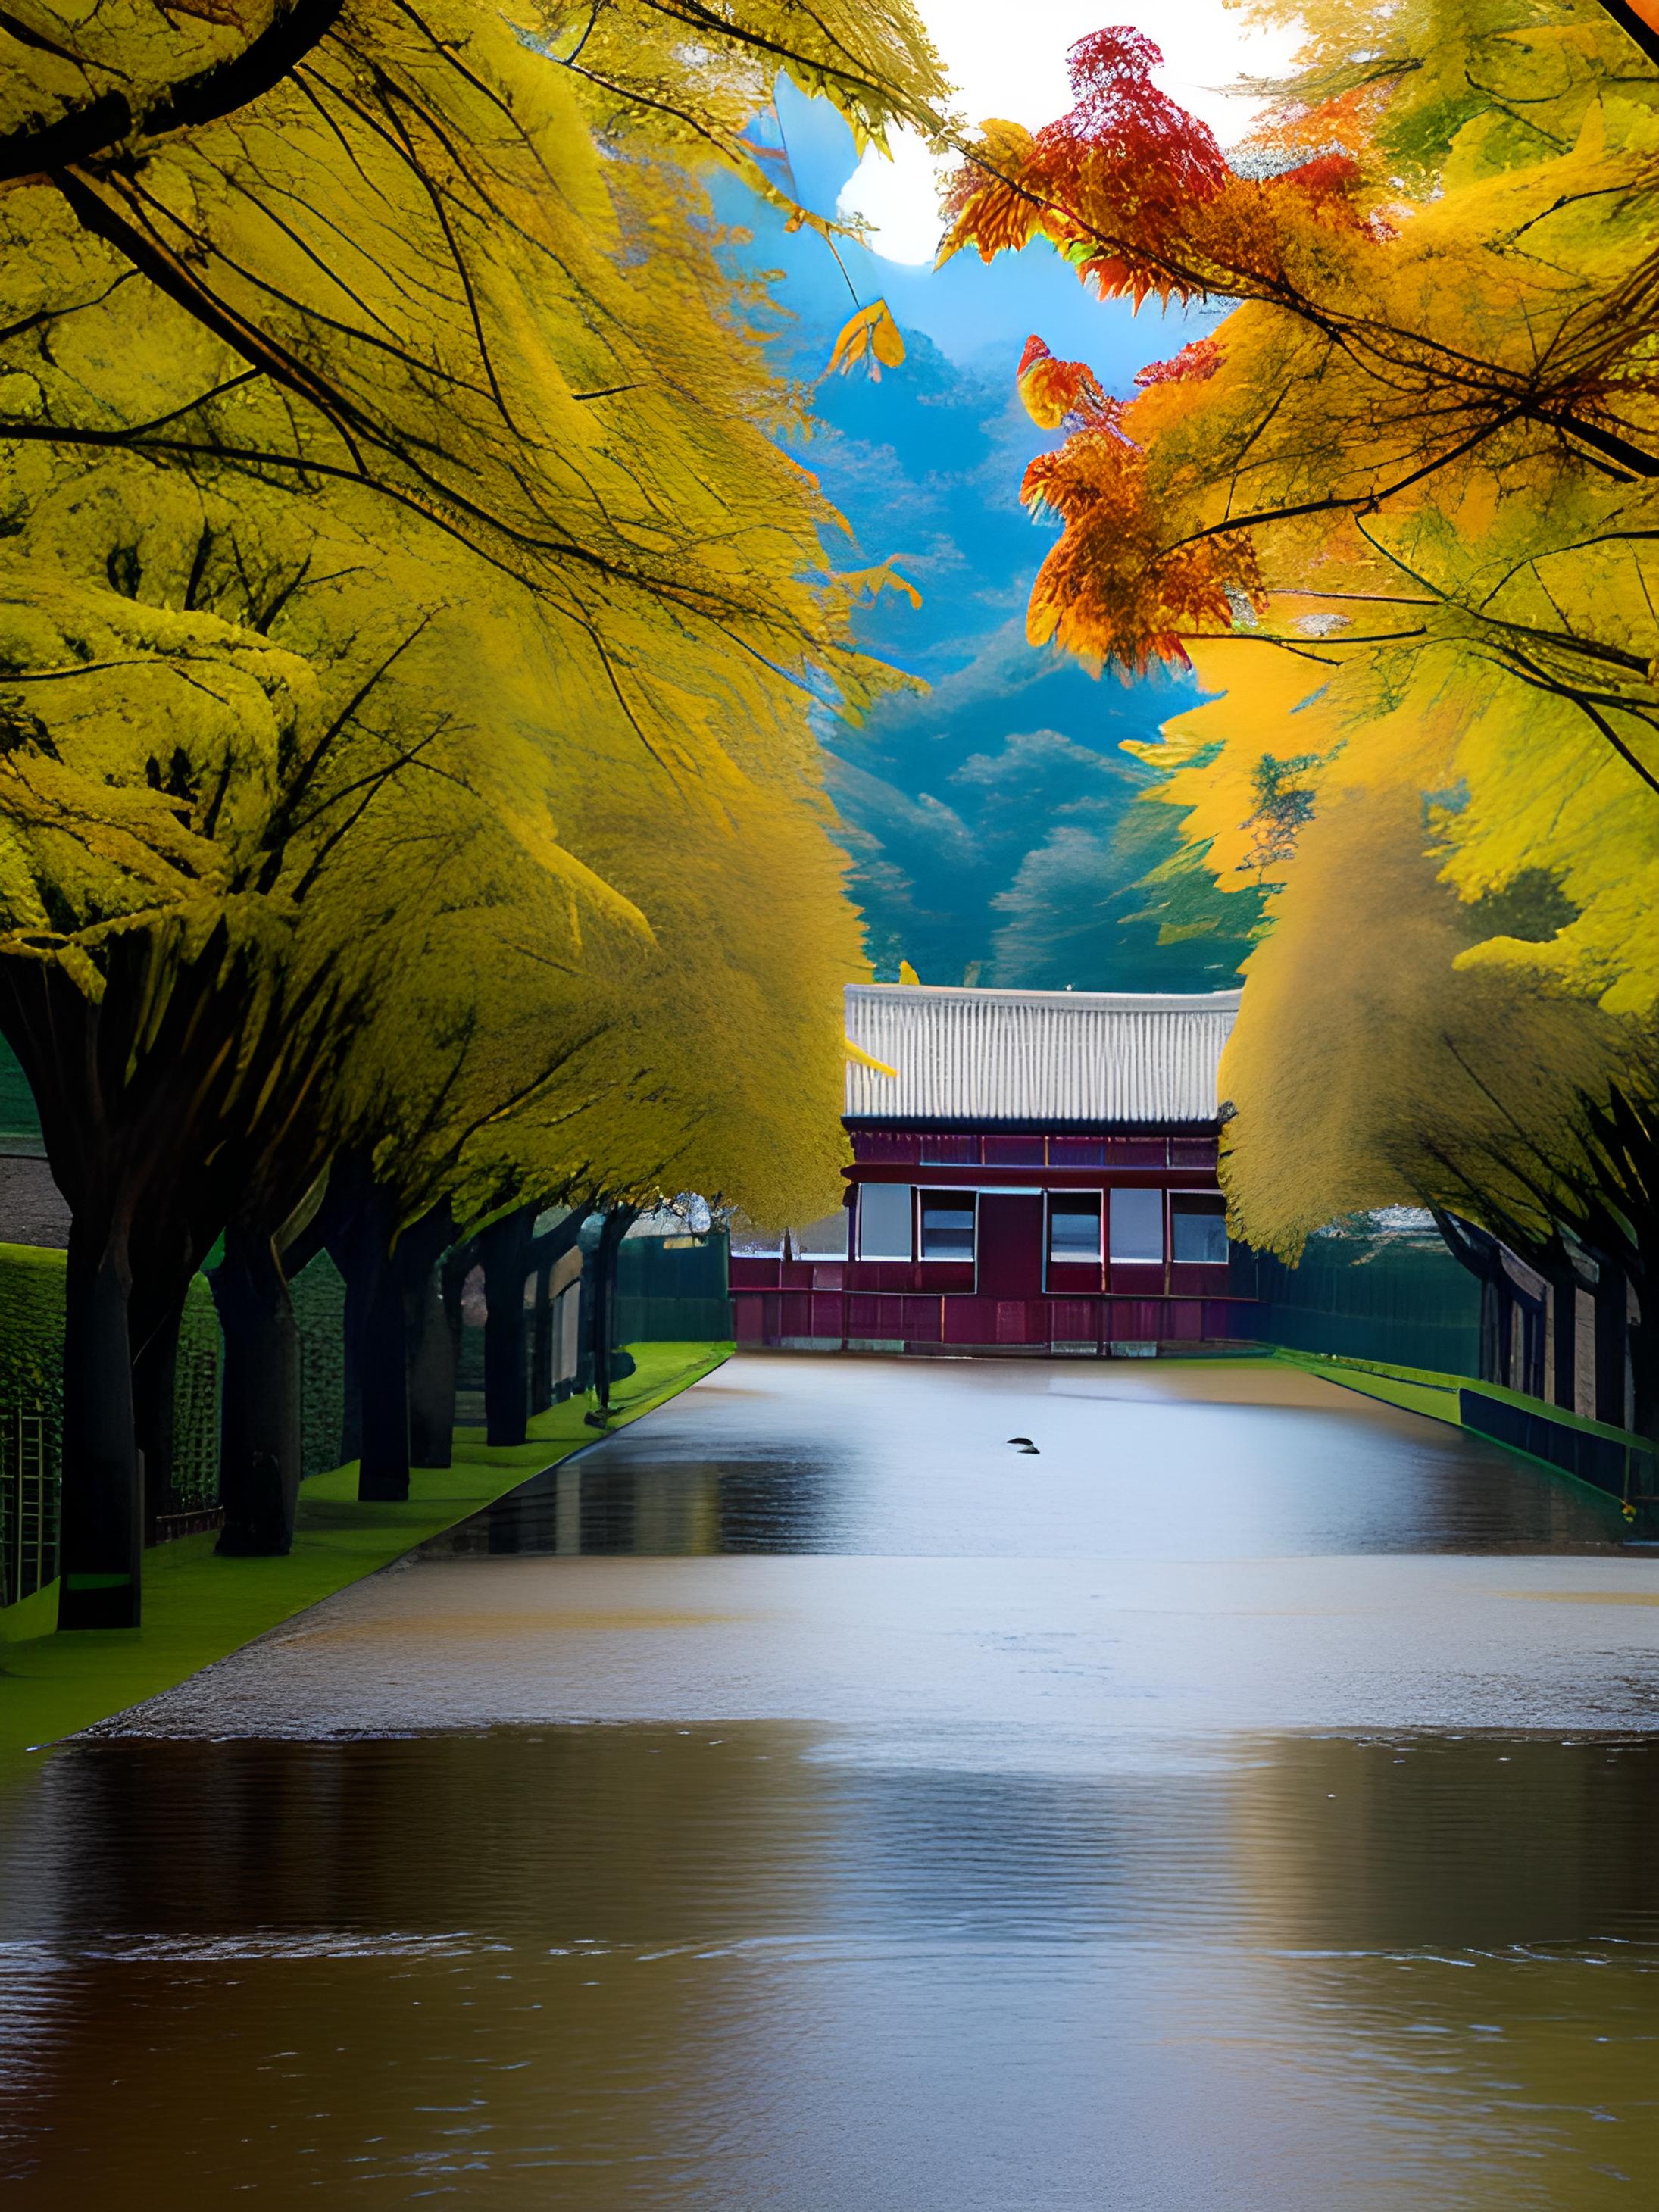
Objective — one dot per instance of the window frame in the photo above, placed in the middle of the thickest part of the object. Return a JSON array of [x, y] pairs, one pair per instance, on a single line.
[[803, 1252], [905, 1258], [967, 1201], [1156, 1191], [1096, 1259], [1171, 1196]]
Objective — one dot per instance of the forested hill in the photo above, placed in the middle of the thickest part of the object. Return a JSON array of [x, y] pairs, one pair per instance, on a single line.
[[988, 818]]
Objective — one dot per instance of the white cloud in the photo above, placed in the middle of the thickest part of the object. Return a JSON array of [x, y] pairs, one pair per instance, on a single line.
[[1011, 62]]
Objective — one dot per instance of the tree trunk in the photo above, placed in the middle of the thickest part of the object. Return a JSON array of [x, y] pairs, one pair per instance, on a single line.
[[362, 1225], [505, 1249], [1479, 1251], [431, 1380], [155, 1376], [1645, 1409], [1612, 1337], [618, 1222], [259, 1441], [101, 1532], [351, 1371], [541, 1343], [548, 1249], [457, 1264], [430, 1355], [383, 1383], [1564, 1382]]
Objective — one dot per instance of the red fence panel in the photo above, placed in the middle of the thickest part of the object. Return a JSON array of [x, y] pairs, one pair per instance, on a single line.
[[747, 1274], [1073, 1320], [869, 1316], [970, 1321], [1134, 1320]]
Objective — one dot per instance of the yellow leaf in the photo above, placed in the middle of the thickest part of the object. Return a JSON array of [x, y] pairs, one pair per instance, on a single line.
[[871, 335], [883, 577], [857, 1053]]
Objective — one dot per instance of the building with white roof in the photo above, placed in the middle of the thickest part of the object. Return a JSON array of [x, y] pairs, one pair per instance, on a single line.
[[1033, 1172]]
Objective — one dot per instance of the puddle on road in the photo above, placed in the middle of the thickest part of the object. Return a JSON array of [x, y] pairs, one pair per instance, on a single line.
[[911, 1458], [758, 1966], [803, 1804]]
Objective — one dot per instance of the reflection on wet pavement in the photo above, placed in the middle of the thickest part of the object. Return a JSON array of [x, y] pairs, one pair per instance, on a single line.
[[901, 1457], [1024, 1835], [755, 1968]]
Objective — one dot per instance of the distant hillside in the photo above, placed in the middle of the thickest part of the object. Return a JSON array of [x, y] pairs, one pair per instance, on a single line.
[[986, 819]]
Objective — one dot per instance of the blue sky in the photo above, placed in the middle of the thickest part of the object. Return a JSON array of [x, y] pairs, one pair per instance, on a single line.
[[986, 818]]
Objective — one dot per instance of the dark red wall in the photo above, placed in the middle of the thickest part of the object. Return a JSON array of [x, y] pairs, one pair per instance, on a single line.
[[1007, 1301]]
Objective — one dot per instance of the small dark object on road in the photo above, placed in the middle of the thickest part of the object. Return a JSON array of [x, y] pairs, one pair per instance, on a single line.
[[1024, 1443]]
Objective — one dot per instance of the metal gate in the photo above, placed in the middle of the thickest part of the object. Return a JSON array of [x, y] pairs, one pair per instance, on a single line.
[[28, 1502]]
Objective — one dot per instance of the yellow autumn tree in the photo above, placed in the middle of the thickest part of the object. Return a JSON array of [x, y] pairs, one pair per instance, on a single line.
[[424, 315], [1399, 506]]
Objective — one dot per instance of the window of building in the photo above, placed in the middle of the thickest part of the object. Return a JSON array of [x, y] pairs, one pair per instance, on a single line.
[[822, 1240], [1137, 1225], [884, 1220], [1074, 1226], [947, 1224], [1198, 1228], [749, 1242]]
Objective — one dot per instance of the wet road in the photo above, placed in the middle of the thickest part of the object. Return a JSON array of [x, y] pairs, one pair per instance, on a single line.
[[809, 1801]]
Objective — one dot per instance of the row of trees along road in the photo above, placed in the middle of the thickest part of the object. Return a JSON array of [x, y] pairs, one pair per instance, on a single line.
[[1399, 507], [409, 815]]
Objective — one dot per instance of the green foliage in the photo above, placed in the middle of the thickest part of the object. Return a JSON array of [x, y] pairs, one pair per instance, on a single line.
[[32, 1330], [319, 1296], [32, 1359], [20, 1119], [196, 1402]]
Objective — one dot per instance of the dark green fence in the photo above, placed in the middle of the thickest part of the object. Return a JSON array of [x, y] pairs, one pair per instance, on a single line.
[[1366, 1294], [31, 1412], [20, 1123], [318, 1295], [673, 1290]]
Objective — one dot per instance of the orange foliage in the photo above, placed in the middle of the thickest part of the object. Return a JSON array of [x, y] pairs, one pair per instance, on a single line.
[[1060, 392], [1199, 359], [1110, 590], [1135, 190]]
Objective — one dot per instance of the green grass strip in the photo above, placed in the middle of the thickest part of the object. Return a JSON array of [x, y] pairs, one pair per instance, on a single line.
[[198, 1609]]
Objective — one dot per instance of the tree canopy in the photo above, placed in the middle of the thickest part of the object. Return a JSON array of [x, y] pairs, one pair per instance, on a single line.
[[1400, 504], [409, 624]]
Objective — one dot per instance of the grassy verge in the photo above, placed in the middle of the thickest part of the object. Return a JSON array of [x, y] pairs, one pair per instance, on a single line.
[[197, 1607], [1415, 1389]]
